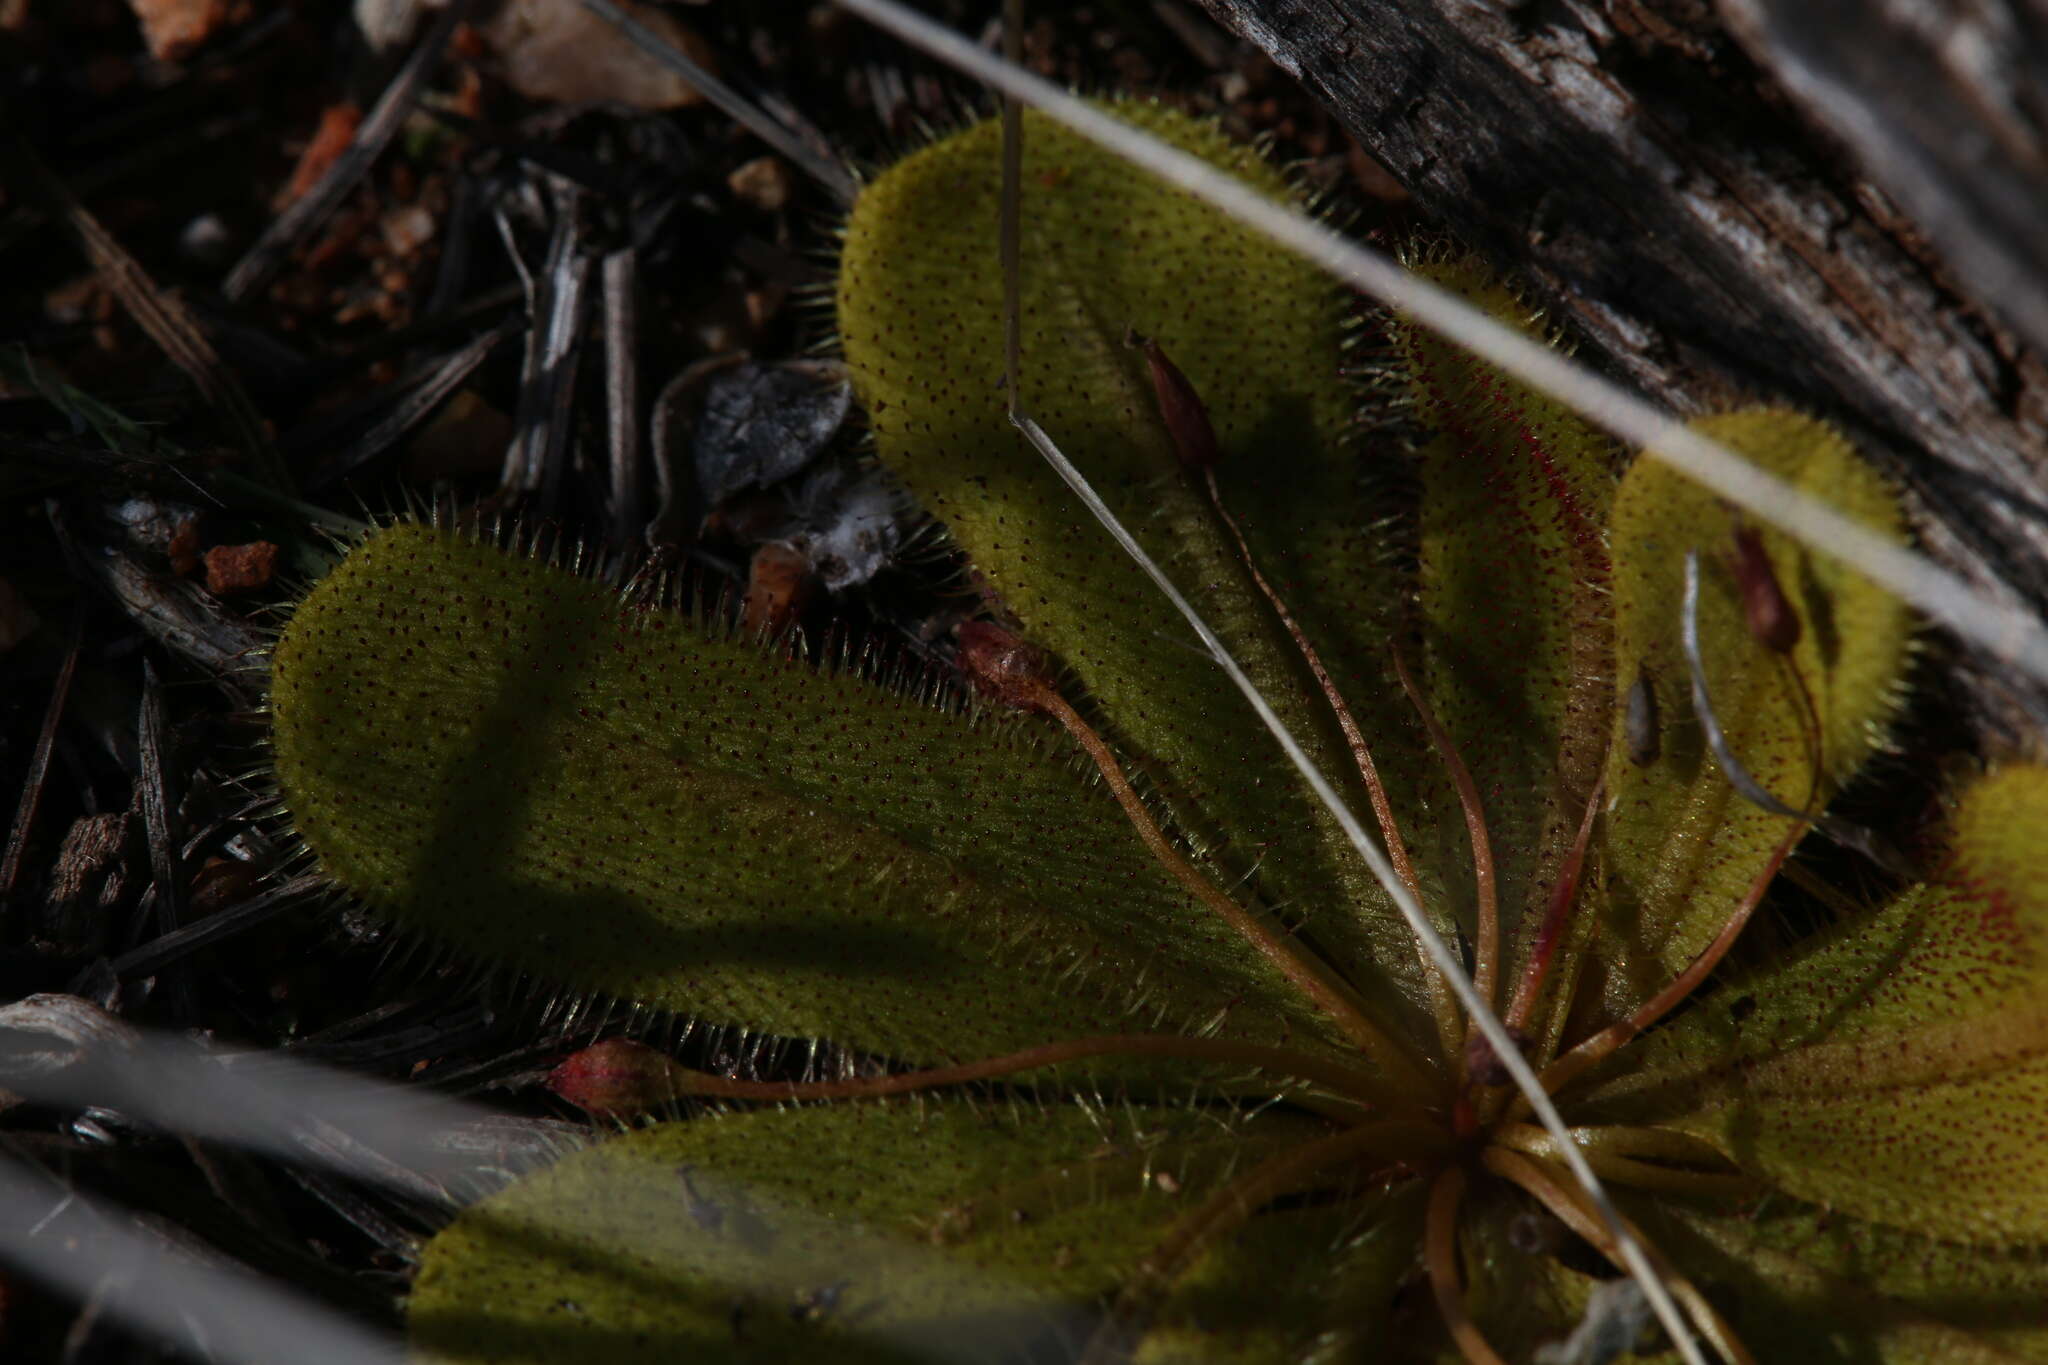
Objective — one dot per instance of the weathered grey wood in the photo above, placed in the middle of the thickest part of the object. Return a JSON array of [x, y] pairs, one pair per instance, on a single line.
[[1710, 230], [1943, 103]]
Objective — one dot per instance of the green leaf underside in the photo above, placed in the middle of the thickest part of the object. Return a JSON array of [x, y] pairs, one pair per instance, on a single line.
[[1897, 1070], [1681, 847], [515, 761], [1515, 490], [1256, 331], [888, 1232]]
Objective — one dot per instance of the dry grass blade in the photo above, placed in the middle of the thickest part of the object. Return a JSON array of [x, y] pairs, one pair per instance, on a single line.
[[242, 1316], [1010, 236], [619, 278], [161, 315], [38, 768], [404, 415], [831, 174], [375, 133], [555, 339], [159, 804], [149, 958], [386, 1134]]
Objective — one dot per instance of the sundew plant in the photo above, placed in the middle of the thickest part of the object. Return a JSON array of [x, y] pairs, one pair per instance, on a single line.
[[1131, 1055], [1366, 867]]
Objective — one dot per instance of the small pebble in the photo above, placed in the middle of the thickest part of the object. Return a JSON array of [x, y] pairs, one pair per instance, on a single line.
[[763, 183], [236, 569]]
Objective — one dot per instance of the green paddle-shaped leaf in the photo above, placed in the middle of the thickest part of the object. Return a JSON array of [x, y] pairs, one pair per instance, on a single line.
[[859, 1232], [1108, 249], [515, 761], [1683, 847], [1897, 1070]]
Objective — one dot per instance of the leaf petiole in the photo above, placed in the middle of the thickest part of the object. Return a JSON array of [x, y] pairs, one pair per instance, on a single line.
[[1301, 971], [1615, 1036]]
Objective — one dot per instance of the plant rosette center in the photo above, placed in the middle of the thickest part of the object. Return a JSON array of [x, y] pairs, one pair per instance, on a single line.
[[1132, 1055]]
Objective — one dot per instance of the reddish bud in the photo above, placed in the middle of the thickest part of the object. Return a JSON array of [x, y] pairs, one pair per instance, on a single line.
[[1180, 407], [1003, 667], [618, 1077], [1773, 623]]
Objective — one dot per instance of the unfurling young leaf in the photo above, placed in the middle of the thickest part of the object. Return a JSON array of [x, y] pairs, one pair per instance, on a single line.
[[1143, 1063]]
